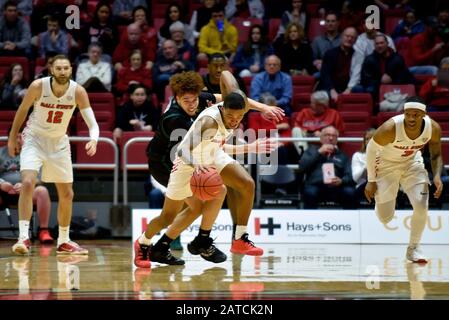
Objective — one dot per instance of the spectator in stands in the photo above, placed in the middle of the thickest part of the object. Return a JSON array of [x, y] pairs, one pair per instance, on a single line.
[[296, 13], [217, 36], [138, 114], [94, 75], [435, 94], [44, 9], [330, 39], [185, 49], [13, 87], [358, 166], [142, 17], [251, 55], [322, 183], [122, 10], [173, 14], [134, 73], [409, 26], [130, 42], [15, 34], [101, 29], [294, 52], [167, 64], [352, 14], [25, 7], [244, 9], [10, 188], [337, 69], [383, 66], [201, 16], [427, 49], [273, 82], [218, 62], [45, 72], [53, 40]]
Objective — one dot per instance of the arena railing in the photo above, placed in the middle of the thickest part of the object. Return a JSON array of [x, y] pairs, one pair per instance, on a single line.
[[114, 165], [259, 167]]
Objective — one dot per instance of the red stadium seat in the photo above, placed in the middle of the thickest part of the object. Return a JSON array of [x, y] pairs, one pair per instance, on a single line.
[[403, 88], [316, 28], [105, 120], [6, 119], [104, 155], [300, 100], [391, 23], [349, 148], [356, 121], [243, 25], [303, 84], [273, 28], [384, 116], [421, 79], [355, 102], [103, 101], [137, 151]]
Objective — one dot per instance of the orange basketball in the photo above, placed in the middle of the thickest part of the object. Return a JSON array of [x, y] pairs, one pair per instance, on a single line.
[[206, 186]]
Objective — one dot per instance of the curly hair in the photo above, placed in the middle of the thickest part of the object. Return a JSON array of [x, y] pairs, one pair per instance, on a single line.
[[186, 82]]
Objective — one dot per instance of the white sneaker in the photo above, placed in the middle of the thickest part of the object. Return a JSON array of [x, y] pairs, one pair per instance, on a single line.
[[414, 254], [22, 246]]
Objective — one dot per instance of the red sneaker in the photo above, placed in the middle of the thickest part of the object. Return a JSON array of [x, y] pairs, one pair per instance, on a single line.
[[245, 246], [22, 247], [45, 237], [71, 248], [141, 255]]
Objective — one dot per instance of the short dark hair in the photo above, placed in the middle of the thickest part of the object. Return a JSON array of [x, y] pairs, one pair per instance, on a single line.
[[415, 99], [218, 8], [9, 3], [234, 101]]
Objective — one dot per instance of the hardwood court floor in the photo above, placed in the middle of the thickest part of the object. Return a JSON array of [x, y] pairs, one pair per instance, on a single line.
[[286, 271]]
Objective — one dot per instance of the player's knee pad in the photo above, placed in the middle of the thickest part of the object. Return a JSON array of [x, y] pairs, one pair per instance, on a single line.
[[385, 211]]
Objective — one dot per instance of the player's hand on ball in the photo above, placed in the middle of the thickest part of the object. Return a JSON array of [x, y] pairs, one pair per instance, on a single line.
[[370, 190], [199, 168], [438, 187], [91, 148]]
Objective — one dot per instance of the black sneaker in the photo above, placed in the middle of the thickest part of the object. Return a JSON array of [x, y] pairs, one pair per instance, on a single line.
[[207, 250], [164, 257]]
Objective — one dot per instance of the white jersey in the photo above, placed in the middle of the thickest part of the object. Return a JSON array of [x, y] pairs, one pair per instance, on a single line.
[[51, 115], [403, 148], [204, 152]]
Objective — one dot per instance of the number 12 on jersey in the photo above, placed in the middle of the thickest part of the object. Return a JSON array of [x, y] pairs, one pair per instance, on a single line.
[[55, 116]]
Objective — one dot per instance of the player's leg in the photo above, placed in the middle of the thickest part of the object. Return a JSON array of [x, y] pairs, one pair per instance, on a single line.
[[25, 206], [41, 199], [236, 177], [232, 202], [65, 206], [419, 198], [385, 211]]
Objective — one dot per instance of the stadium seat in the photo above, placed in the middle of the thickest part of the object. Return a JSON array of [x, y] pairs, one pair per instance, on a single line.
[[390, 23], [356, 121], [6, 119], [403, 88], [136, 151], [104, 155], [243, 25], [300, 100], [303, 84], [103, 101], [6, 62], [105, 120], [316, 28], [349, 148], [421, 79], [273, 28], [383, 116], [355, 102]]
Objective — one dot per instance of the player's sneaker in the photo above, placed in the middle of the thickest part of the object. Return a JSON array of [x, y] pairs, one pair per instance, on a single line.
[[245, 246], [176, 244], [45, 237], [207, 250], [71, 248], [164, 257], [141, 255], [21, 246], [414, 254]]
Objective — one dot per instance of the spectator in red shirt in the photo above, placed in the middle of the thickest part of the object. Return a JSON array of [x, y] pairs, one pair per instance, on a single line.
[[309, 121], [130, 42], [436, 95], [135, 73]]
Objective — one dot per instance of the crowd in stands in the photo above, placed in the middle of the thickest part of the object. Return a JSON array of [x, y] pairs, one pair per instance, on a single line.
[[316, 59]]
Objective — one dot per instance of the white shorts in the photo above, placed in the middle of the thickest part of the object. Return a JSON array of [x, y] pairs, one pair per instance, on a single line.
[[391, 175], [179, 183], [51, 154]]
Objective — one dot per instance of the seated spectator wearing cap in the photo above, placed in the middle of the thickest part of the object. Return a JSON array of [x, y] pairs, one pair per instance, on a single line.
[[185, 49], [94, 75], [435, 94]]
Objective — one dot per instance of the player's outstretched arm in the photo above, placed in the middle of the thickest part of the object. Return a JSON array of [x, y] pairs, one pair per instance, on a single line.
[[82, 100], [436, 159], [32, 94], [260, 146]]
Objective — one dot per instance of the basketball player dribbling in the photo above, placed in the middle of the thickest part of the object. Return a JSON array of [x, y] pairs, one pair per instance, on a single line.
[[213, 126], [46, 146], [394, 159]]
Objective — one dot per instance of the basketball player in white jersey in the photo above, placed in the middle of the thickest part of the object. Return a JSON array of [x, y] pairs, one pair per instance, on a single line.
[[394, 159], [46, 146]]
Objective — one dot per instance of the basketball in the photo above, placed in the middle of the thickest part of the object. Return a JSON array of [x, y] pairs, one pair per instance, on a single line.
[[206, 186]]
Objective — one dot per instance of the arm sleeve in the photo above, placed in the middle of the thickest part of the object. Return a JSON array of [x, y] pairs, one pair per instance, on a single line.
[[89, 118], [372, 159]]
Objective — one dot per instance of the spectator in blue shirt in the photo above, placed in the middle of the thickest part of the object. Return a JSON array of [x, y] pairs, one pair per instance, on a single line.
[[409, 26], [273, 82]]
